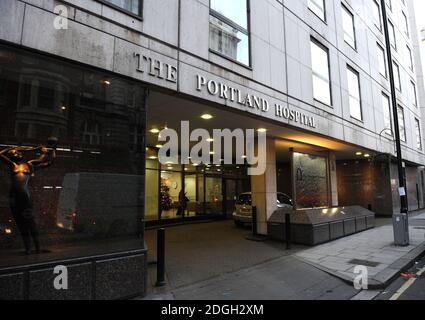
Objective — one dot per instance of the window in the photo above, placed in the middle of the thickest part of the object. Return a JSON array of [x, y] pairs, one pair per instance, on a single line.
[[391, 31], [133, 6], [386, 110], [348, 25], [229, 34], [318, 8], [376, 12], [401, 123], [354, 93], [409, 57], [413, 93], [321, 73], [382, 61], [397, 76], [389, 4], [405, 24], [418, 134]]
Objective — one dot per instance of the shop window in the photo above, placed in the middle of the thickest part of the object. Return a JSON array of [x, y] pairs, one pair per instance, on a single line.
[[229, 35], [81, 200]]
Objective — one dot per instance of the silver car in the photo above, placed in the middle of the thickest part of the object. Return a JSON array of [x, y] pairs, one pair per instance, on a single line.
[[243, 208]]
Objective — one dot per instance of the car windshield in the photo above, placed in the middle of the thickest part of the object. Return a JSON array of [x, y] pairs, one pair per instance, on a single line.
[[244, 199]]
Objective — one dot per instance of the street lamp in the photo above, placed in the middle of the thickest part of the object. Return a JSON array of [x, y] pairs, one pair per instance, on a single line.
[[402, 184]]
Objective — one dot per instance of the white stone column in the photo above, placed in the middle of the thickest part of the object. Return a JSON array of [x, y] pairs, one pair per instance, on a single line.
[[264, 189]]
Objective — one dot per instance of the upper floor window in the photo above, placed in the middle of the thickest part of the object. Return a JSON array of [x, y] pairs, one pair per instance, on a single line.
[[418, 134], [386, 110], [391, 31], [413, 94], [318, 7], [389, 4], [354, 98], [376, 12], [348, 26], [405, 24], [229, 34], [401, 123], [382, 61], [133, 6], [396, 71], [321, 73], [409, 57]]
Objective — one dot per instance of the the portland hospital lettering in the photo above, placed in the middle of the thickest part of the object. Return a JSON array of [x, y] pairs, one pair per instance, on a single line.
[[252, 101]]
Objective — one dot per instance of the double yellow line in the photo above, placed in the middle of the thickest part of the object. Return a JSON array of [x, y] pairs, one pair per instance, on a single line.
[[407, 285]]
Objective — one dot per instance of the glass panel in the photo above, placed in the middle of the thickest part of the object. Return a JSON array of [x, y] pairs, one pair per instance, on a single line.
[[402, 124], [234, 10], [171, 193], [129, 5], [229, 41], [92, 195], [321, 76], [382, 61], [377, 14], [418, 134], [191, 194], [318, 7], [213, 196], [354, 94], [348, 25], [151, 195], [311, 181], [387, 114]]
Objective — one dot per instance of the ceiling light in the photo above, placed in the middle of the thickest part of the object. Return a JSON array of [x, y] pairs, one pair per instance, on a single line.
[[207, 116], [367, 155], [153, 158], [154, 131], [262, 130], [359, 153], [159, 146], [210, 140]]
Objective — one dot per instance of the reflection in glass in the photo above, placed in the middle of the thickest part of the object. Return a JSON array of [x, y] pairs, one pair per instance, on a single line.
[[229, 41], [94, 191], [311, 181]]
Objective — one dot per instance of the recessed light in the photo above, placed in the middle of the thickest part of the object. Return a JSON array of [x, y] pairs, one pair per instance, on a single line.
[[262, 130], [212, 153], [367, 155], [359, 153], [159, 146], [210, 140], [153, 158], [244, 157], [154, 131], [106, 82], [207, 116]]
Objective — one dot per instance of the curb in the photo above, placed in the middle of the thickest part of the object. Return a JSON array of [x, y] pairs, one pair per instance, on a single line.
[[384, 278]]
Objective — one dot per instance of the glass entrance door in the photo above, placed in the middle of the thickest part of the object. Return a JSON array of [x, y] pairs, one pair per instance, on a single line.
[[233, 188]]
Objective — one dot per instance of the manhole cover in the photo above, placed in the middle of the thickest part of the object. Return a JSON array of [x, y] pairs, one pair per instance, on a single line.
[[365, 263]]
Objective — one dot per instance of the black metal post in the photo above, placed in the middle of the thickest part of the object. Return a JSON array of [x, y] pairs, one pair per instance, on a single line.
[[288, 230], [254, 222], [160, 268], [402, 184]]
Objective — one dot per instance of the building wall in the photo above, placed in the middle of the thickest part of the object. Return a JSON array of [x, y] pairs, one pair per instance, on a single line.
[[177, 33]]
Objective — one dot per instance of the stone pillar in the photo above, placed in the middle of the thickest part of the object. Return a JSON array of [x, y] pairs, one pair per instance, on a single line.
[[333, 189], [264, 189]]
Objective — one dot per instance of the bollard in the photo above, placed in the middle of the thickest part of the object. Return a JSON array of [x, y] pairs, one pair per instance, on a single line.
[[288, 230], [254, 222], [160, 249]]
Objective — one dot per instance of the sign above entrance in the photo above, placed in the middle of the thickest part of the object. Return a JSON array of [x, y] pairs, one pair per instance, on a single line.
[[231, 94]]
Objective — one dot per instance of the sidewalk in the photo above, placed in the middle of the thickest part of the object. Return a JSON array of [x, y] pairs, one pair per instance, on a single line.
[[234, 268], [374, 249]]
